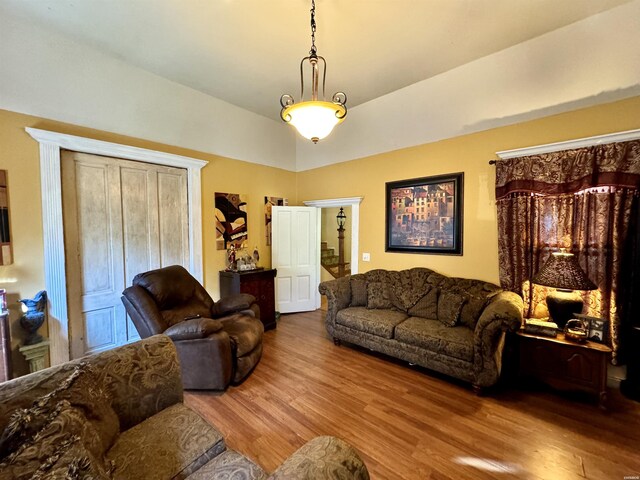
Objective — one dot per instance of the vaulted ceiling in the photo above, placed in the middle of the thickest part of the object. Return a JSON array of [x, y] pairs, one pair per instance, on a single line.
[[247, 52]]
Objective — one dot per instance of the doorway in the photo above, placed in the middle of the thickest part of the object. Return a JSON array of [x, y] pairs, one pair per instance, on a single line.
[[352, 206], [335, 252]]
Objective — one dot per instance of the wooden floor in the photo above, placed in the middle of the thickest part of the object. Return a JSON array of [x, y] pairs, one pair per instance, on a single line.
[[409, 424]]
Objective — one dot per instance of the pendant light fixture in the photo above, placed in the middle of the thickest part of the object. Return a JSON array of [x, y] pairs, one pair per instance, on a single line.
[[314, 119]]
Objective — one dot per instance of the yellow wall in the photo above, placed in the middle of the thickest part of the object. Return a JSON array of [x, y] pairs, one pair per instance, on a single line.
[[256, 181], [19, 155], [366, 177]]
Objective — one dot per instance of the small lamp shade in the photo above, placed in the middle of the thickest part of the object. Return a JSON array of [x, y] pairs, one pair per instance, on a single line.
[[562, 271]]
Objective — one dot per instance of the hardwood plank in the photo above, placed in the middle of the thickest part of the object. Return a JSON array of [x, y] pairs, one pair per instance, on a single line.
[[409, 423]]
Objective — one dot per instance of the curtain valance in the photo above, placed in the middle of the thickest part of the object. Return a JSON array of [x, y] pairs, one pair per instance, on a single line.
[[569, 171]]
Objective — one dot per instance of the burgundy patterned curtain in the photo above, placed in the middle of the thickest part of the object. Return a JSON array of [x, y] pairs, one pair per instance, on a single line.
[[578, 200]]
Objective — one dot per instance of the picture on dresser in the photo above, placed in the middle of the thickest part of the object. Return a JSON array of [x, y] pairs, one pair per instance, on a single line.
[[598, 328], [424, 215]]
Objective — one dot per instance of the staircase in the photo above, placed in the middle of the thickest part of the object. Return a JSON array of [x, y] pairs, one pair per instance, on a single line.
[[329, 261]]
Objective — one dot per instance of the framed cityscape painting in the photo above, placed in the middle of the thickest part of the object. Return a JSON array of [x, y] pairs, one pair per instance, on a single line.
[[424, 215]]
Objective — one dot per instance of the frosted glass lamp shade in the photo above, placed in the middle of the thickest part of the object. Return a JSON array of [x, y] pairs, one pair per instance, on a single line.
[[314, 120]]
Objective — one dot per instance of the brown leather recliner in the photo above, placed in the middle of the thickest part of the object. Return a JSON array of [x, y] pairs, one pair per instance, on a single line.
[[217, 342]]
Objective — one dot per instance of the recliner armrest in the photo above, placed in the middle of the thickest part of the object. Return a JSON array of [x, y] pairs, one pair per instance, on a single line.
[[194, 328], [233, 304]]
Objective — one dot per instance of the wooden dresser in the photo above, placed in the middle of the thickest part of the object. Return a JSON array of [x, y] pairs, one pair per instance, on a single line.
[[260, 284], [5, 347], [565, 365]]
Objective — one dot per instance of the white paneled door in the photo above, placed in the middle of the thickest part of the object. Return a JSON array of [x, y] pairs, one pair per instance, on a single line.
[[295, 254], [121, 218]]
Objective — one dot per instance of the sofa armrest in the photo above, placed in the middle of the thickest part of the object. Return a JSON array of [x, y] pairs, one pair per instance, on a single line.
[[193, 328], [323, 457], [338, 293], [504, 313], [233, 303], [143, 378]]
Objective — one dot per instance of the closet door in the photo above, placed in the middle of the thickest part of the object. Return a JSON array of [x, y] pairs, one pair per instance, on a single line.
[[120, 218]]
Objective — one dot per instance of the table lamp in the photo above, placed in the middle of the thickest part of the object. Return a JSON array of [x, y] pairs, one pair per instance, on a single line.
[[562, 272]]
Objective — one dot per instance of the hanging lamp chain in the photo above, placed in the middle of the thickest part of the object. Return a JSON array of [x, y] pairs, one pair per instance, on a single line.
[[313, 50]]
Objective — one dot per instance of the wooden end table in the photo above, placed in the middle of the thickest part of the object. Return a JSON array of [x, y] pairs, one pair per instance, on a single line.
[[260, 284], [565, 365]]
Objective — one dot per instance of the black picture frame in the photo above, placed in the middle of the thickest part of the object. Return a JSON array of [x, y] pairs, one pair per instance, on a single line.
[[598, 328], [425, 215]]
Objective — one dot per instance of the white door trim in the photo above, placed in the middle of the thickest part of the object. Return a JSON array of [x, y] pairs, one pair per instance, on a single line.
[[354, 203], [53, 229]]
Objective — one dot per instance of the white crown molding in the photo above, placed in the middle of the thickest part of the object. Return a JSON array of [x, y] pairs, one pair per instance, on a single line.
[[53, 228], [570, 144], [99, 147], [354, 203]]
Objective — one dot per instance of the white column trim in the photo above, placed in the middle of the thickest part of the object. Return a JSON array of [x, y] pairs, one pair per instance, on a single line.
[[354, 203], [570, 144], [53, 229]]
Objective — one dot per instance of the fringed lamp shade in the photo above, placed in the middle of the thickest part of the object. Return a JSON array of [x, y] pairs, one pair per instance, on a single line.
[[562, 271]]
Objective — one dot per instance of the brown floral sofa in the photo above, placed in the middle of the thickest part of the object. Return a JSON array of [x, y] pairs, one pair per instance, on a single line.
[[454, 326], [120, 414]]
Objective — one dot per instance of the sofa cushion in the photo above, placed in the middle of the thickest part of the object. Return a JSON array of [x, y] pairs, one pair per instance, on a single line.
[[406, 288], [472, 309], [66, 443], [323, 458], [358, 291], [378, 296], [478, 295], [427, 306], [449, 307], [375, 322], [171, 444], [80, 389], [229, 465], [434, 336]]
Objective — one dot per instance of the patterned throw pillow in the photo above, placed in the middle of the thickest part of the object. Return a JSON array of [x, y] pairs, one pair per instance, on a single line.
[[82, 391], [449, 307], [358, 292], [378, 296], [66, 447], [427, 306], [472, 309]]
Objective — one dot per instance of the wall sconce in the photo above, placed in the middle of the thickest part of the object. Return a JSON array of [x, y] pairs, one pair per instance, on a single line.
[[33, 316]]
